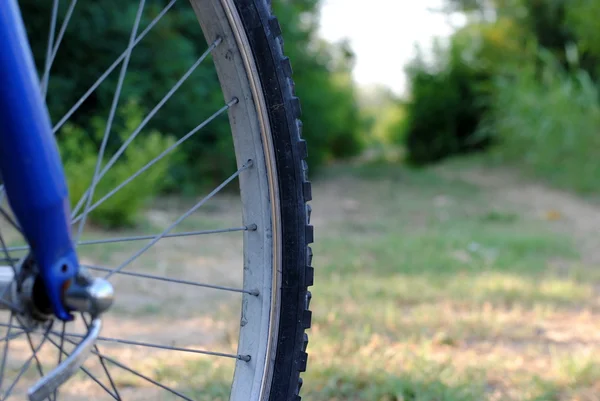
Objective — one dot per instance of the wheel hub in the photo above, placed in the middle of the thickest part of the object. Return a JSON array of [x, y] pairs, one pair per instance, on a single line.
[[23, 292], [26, 294]]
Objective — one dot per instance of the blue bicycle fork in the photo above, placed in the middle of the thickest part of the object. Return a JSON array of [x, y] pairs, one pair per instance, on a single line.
[[30, 163]]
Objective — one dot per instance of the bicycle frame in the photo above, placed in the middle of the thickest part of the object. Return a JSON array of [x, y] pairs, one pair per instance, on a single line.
[[30, 163]]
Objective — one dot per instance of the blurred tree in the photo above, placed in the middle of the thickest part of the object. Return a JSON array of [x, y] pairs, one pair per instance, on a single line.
[[448, 100], [451, 95], [322, 73], [99, 31], [559, 26], [384, 114], [500, 39], [582, 18], [97, 34], [545, 84]]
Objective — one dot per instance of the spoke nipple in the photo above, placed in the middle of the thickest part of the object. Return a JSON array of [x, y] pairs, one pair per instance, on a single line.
[[249, 163], [252, 227], [233, 101], [217, 41], [255, 293], [245, 358]]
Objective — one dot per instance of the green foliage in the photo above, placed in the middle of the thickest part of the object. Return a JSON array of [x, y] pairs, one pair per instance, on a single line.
[[99, 31], [322, 73], [556, 25], [581, 18], [97, 34], [545, 111], [451, 96], [80, 158], [550, 125], [384, 115], [525, 75], [391, 124], [448, 102]]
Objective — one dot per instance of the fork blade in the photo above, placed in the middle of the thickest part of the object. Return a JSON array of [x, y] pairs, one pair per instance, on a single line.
[[44, 388]]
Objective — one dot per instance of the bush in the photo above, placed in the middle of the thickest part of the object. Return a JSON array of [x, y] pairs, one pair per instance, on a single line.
[[447, 104], [451, 96], [80, 156], [550, 125]]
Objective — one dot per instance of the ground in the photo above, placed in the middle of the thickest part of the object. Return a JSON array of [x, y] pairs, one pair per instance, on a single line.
[[460, 282]]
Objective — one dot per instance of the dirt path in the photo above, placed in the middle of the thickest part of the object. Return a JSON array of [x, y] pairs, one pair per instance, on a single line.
[[570, 214]]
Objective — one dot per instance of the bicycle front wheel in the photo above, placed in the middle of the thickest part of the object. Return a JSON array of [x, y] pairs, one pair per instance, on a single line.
[[267, 78], [255, 77], [274, 112]]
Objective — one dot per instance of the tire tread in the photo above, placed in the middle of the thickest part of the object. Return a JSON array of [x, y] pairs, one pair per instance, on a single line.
[[264, 33]]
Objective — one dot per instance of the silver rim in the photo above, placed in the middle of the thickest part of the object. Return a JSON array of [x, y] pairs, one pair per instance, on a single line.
[[257, 178]]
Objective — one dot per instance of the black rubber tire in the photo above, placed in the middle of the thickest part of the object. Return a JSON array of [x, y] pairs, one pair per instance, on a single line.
[[264, 35]]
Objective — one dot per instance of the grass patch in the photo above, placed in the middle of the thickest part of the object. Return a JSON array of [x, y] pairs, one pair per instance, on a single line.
[[426, 289], [423, 383]]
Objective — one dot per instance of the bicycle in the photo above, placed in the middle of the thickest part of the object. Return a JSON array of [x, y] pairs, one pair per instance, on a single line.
[[49, 286]]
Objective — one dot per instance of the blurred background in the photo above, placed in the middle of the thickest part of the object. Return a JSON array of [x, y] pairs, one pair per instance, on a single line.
[[454, 149]]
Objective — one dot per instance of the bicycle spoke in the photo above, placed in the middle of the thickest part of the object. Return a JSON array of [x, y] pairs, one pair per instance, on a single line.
[[48, 63], [136, 373], [27, 363], [251, 227], [179, 220], [170, 348], [110, 69], [143, 124], [16, 249], [17, 326], [174, 235], [100, 358], [8, 258], [10, 220], [6, 348], [239, 77], [173, 280], [60, 350], [157, 158], [37, 360], [3, 301], [9, 261], [111, 116], [11, 305], [87, 372], [12, 336], [61, 33]]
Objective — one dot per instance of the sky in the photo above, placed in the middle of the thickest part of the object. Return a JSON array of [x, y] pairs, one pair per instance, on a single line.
[[383, 33]]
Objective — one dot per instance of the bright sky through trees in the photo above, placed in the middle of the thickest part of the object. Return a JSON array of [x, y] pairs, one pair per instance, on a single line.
[[382, 33]]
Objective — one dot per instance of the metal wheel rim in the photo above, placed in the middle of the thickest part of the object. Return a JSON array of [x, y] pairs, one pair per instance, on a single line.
[[251, 131]]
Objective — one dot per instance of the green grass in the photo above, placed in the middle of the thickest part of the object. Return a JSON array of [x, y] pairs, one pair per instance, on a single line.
[[429, 288], [422, 274]]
